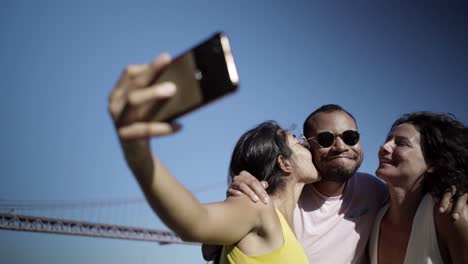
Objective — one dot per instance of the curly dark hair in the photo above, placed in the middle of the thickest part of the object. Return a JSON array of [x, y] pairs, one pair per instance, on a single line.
[[444, 143], [256, 152]]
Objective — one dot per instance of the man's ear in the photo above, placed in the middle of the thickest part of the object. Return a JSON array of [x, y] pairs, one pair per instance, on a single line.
[[284, 164]]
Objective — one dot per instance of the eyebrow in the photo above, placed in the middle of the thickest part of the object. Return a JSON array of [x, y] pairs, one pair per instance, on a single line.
[[402, 137], [397, 137]]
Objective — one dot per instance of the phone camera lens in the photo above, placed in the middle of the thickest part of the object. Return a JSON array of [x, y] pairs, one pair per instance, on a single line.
[[198, 75]]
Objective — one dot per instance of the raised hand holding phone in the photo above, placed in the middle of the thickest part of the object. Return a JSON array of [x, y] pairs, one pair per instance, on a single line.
[[148, 97], [202, 74], [132, 91]]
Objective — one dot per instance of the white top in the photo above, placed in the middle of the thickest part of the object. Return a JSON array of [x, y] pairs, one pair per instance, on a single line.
[[422, 245], [336, 229]]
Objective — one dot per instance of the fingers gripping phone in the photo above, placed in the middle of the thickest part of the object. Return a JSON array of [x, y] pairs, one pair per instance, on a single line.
[[201, 75]]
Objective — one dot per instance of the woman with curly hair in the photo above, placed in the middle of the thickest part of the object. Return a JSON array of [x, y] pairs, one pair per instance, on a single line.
[[425, 153]]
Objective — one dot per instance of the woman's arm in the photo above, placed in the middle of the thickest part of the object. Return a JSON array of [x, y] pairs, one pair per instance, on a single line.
[[221, 223], [225, 222]]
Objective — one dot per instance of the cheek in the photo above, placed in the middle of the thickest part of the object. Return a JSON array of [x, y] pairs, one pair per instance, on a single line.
[[317, 161], [318, 153], [413, 162], [316, 156], [307, 156], [413, 170], [309, 159], [358, 150], [421, 166]]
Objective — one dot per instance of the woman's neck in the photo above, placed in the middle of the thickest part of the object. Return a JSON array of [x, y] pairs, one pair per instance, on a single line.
[[286, 198], [403, 204]]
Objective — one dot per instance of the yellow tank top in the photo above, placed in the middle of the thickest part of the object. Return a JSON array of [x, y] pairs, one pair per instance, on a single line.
[[290, 252]]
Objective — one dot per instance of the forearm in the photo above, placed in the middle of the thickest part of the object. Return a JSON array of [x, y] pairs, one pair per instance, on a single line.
[[180, 210], [138, 156], [173, 203], [134, 89], [458, 247], [454, 235]]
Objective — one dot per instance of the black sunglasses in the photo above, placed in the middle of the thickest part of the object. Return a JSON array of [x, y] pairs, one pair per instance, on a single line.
[[327, 139]]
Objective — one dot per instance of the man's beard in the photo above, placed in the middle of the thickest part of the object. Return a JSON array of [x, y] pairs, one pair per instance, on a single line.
[[338, 174]]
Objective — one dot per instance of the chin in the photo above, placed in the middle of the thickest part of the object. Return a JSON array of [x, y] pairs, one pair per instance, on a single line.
[[312, 180], [338, 174], [342, 163], [384, 175], [379, 172]]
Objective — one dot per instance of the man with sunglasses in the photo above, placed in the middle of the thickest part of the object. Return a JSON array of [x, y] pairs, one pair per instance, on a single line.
[[335, 215]]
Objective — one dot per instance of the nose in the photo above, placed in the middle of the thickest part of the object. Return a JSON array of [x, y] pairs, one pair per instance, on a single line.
[[339, 144], [386, 147]]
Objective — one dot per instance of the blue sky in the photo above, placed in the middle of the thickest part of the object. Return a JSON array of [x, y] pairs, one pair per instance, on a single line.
[[60, 59]]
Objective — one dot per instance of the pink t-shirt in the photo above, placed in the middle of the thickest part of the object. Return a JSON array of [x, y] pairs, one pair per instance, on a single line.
[[336, 229]]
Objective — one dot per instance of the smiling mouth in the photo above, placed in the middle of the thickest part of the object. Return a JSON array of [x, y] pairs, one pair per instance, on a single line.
[[341, 157], [387, 161]]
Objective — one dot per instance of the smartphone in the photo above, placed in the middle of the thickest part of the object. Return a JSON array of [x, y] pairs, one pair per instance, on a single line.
[[203, 74]]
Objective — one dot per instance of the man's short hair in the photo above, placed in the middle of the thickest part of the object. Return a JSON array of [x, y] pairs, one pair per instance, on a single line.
[[327, 108]]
